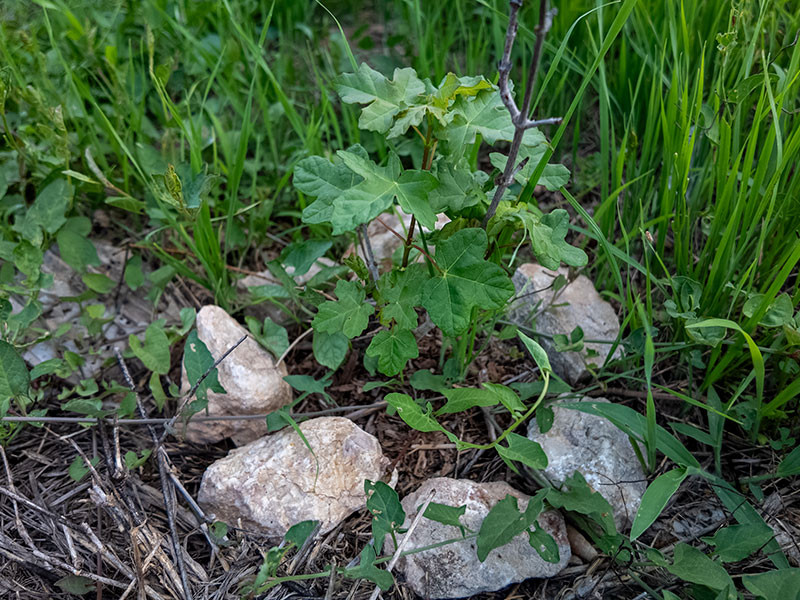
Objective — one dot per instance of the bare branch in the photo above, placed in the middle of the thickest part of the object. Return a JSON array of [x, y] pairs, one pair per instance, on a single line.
[[519, 116]]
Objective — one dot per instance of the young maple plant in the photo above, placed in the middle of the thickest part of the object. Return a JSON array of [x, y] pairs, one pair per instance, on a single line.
[[459, 275]]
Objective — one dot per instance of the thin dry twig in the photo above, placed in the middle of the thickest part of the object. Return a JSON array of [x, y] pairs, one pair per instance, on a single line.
[[519, 115]]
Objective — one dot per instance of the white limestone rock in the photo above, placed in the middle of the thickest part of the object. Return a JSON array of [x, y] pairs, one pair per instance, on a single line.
[[453, 570], [559, 312], [272, 483], [600, 451], [253, 383]]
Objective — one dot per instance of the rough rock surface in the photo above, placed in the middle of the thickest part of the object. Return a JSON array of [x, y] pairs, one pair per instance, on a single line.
[[453, 570], [253, 383], [601, 452], [272, 484], [559, 312]]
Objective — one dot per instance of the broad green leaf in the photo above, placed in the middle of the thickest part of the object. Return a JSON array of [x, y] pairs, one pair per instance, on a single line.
[[78, 469], [134, 461], [157, 390], [452, 87], [459, 187], [381, 185], [269, 334], [537, 352], [28, 259], [301, 255], [349, 314], [154, 353], [97, 282], [197, 360], [544, 544], [401, 291], [482, 114], [778, 313], [578, 497], [446, 515], [781, 584], [134, 276], [306, 383], [383, 98], [366, 569], [655, 499], [424, 380], [14, 377], [461, 399], [393, 349], [691, 565], [76, 585], [77, 250], [504, 522], [325, 180], [465, 281], [508, 398], [330, 349], [299, 532], [553, 176], [48, 211], [414, 417], [383, 503], [790, 465], [523, 450], [547, 233], [736, 542]]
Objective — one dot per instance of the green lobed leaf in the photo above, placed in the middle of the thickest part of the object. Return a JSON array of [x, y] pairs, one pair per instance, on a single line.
[[537, 352], [544, 544], [736, 542], [691, 565], [414, 417], [461, 399], [14, 377], [446, 515], [324, 180], [482, 114], [578, 497], [401, 291], [48, 211], [381, 185], [349, 314], [505, 522], [655, 498], [553, 176], [465, 281], [383, 98], [790, 465], [330, 349], [388, 515], [459, 187], [154, 353], [197, 360], [301, 255], [269, 334], [393, 348], [523, 450], [780, 584], [366, 569]]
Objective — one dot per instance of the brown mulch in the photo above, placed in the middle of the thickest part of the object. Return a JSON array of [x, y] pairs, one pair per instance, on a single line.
[[113, 527]]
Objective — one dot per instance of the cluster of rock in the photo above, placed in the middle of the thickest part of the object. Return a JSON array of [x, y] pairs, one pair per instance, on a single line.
[[277, 480]]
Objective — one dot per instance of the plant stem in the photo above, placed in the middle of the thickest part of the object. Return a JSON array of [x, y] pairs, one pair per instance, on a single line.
[[516, 423], [427, 160]]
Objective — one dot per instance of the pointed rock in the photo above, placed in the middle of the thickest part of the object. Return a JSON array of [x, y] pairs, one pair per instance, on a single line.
[[554, 312], [253, 383], [600, 451]]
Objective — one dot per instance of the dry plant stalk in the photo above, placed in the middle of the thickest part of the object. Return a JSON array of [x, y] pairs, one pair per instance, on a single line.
[[519, 115]]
